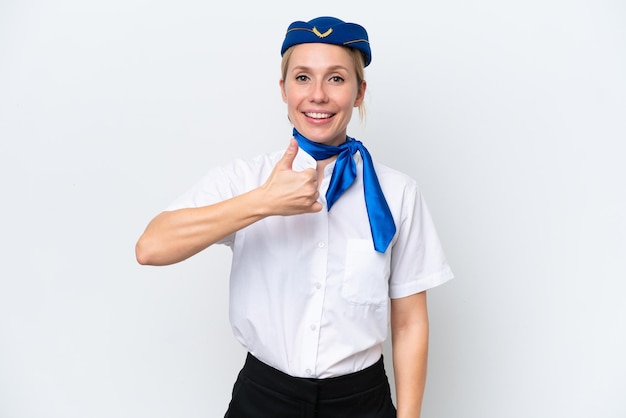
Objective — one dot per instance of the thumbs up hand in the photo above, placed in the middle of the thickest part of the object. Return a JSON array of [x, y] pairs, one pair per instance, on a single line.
[[290, 192]]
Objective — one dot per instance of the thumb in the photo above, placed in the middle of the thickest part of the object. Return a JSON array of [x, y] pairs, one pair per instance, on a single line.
[[286, 161]]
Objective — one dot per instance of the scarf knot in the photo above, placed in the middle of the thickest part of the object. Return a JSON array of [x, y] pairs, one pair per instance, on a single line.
[[381, 221]]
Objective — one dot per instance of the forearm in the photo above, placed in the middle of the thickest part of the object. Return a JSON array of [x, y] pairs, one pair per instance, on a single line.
[[410, 355], [174, 236], [177, 235]]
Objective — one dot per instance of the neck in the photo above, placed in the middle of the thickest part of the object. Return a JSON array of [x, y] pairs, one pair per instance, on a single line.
[[308, 143], [322, 164]]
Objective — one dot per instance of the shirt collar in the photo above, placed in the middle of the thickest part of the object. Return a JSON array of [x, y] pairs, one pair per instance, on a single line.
[[303, 161]]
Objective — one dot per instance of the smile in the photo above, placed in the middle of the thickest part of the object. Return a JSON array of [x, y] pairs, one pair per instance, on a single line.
[[318, 115]]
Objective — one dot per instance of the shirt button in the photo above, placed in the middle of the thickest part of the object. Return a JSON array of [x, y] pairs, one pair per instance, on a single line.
[[313, 327], [321, 244], [308, 371], [318, 285]]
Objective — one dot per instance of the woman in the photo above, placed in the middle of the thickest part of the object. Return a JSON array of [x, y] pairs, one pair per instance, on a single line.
[[327, 246]]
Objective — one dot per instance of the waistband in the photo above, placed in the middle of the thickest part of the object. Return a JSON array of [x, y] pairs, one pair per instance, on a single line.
[[313, 390]]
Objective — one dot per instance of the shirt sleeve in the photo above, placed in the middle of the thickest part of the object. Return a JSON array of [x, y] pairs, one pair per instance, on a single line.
[[418, 262], [228, 180], [215, 186]]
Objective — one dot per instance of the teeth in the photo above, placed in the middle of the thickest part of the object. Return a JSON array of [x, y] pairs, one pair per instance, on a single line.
[[318, 115]]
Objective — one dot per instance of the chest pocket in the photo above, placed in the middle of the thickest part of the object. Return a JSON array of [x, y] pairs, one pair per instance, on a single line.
[[366, 275]]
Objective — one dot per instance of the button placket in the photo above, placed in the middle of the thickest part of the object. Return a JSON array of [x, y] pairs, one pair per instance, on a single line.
[[316, 304]]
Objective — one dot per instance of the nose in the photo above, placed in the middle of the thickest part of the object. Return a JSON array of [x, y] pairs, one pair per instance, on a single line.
[[318, 92]]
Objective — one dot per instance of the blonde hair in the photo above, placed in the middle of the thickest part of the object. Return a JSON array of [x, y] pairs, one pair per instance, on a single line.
[[359, 67]]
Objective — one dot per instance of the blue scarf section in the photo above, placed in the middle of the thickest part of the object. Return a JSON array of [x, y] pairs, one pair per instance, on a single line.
[[344, 174]]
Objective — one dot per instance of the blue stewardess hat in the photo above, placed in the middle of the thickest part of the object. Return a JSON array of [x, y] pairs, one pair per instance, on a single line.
[[328, 30]]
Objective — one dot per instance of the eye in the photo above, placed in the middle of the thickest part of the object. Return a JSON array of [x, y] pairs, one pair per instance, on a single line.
[[302, 78], [336, 79]]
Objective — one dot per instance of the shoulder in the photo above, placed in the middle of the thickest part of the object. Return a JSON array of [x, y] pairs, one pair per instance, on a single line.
[[390, 178], [401, 191], [227, 180], [249, 166]]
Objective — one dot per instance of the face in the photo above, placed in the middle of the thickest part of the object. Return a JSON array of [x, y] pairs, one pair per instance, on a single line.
[[321, 90]]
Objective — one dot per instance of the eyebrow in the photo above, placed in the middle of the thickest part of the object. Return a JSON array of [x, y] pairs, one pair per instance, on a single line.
[[329, 69]]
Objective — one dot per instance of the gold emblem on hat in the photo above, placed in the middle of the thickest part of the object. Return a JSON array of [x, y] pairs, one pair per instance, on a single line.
[[320, 34]]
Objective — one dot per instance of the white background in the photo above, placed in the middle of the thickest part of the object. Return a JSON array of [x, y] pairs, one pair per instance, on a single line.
[[510, 114]]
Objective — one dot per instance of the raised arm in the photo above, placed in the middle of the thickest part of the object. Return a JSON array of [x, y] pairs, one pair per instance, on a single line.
[[409, 330], [174, 236]]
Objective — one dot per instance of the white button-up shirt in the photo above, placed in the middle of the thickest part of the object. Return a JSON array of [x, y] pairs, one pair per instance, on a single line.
[[309, 295]]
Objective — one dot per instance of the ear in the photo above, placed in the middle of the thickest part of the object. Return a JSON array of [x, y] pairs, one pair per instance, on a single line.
[[360, 95], [283, 93]]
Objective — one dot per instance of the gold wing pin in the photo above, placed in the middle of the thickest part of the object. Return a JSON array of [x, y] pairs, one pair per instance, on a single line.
[[320, 34]]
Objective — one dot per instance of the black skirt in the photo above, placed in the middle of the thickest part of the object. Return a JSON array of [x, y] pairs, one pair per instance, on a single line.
[[264, 392]]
